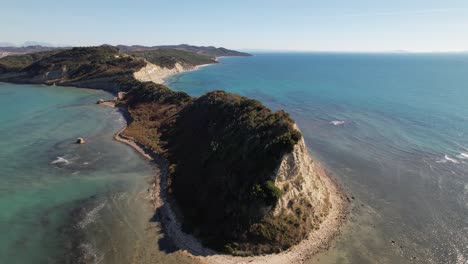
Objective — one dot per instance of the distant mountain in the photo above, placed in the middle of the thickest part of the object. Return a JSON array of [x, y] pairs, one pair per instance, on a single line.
[[208, 51], [26, 49], [6, 44], [26, 44], [36, 43]]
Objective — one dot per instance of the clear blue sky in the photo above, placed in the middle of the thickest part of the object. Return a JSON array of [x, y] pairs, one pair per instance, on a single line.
[[347, 25]]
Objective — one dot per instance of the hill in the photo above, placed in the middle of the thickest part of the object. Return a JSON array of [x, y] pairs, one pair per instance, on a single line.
[[93, 67], [209, 51], [18, 62], [166, 57], [26, 49]]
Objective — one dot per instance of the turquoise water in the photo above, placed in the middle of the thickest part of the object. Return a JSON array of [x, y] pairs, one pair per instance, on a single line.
[[66, 203], [391, 128]]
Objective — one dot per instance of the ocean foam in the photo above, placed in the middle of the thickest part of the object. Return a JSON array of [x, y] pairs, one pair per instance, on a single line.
[[446, 159], [60, 160], [337, 122], [463, 155], [91, 216]]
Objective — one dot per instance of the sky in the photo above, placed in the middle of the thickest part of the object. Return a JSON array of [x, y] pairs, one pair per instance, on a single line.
[[302, 25]]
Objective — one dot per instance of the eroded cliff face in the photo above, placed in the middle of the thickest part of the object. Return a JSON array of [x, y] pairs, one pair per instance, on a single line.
[[157, 74], [302, 186]]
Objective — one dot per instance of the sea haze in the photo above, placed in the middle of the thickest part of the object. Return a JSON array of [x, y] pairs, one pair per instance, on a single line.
[[392, 129]]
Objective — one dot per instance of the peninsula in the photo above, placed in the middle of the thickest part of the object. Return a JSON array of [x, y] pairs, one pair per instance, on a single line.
[[236, 177]]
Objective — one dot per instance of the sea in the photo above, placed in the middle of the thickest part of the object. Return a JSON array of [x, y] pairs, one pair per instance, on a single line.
[[390, 128]]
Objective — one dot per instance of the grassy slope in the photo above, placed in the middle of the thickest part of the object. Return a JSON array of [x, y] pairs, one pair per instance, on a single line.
[[169, 57], [87, 63], [18, 62], [209, 50]]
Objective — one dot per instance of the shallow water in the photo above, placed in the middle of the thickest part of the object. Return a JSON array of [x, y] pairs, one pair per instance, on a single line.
[[392, 128], [67, 203]]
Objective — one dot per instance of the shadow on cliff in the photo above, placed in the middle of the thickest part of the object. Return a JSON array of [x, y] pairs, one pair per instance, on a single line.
[[165, 243], [172, 239]]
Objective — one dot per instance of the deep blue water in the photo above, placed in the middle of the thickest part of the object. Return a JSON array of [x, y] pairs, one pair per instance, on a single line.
[[391, 128]]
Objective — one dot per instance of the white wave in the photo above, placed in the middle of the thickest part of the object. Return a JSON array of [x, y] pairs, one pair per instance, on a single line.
[[461, 258], [446, 159], [337, 122], [463, 155], [60, 160], [91, 216]]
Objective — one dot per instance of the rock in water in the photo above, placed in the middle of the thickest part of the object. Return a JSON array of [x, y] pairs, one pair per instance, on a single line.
[[80, 141]]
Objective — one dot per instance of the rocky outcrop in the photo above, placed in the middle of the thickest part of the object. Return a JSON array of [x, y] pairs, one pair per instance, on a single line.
[[157, 74], [301, 184]]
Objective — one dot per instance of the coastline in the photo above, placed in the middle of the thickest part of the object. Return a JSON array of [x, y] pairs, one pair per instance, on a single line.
[[195, 68], [158, 74], [119, 137]]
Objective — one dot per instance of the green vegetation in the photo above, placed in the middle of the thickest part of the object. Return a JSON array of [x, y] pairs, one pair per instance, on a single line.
[[87, 63], [93, 67], [227, 147], [18, 62], [209, 51], [166, 57]]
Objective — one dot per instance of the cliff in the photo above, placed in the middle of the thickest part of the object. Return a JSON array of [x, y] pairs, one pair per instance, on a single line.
[[157, 74]]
